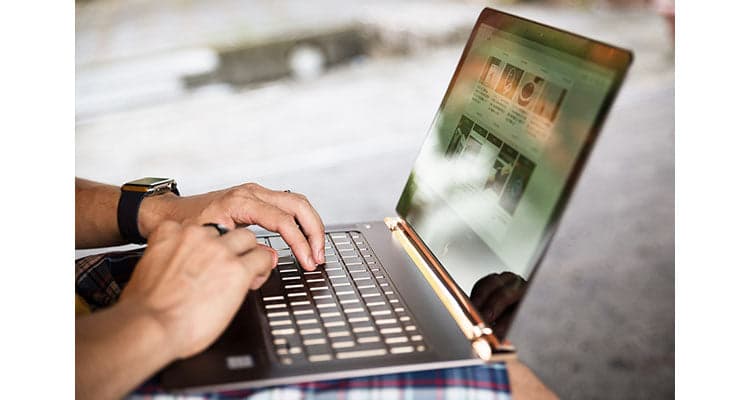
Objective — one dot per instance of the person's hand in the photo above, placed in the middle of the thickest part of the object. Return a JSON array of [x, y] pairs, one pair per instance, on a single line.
[[192, 281], [496, 297], [289, 214]]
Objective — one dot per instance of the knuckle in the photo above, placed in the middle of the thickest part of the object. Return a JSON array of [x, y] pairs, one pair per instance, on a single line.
[[236, 195], [251, 186], [193, 232], [288, 220]]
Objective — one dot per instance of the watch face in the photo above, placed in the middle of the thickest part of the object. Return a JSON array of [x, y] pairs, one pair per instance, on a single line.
[[149, 182]]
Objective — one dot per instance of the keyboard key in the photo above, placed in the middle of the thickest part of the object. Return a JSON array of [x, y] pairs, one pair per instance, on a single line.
[[278, 314], [281, 332], [330, 313], [310, 331], [319, 357], [360, 353], [402, 349], [285, 261], [342, 344], [310, 342], [278, 243], [396, 339]]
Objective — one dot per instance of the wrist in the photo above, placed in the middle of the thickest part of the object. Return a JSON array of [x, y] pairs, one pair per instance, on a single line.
[[156, 209], [155, 338]]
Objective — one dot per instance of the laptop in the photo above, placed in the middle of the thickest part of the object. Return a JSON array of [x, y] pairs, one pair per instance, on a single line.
[[438, 284]]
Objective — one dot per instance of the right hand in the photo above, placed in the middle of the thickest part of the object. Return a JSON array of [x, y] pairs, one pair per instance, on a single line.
[[192, 281]]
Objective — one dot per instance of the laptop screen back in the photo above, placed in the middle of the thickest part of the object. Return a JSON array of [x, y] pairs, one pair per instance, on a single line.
[[503, 151]]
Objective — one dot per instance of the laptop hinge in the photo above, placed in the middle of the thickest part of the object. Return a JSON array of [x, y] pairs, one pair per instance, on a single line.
[[484, 342]]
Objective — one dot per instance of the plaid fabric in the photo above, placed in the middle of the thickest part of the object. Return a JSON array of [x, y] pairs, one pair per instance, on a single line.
[[101, 278], [484, 382]]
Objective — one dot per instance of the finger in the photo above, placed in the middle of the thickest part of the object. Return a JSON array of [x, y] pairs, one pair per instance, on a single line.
[[239, 241], [258, 281], [276, 220], [298, 205], [275, 254], [259, 262]]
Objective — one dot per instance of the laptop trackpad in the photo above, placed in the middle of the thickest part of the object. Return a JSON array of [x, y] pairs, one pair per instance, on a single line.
[[238, 355]]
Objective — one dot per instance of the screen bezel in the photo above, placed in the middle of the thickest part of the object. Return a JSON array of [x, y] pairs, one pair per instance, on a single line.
[[611, 57]]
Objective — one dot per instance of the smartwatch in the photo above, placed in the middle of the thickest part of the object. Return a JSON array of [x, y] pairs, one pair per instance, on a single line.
[[131, 196]]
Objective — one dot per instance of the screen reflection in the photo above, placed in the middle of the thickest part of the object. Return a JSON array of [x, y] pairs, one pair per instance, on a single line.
[[499, 153]]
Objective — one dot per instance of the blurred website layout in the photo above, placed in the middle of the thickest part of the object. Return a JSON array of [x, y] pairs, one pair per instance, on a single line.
[[507, 139]]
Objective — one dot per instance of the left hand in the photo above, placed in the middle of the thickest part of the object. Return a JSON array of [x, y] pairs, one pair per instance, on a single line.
[[243, 205]]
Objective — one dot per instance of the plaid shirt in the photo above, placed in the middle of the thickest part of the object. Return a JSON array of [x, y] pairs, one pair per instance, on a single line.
[[101, 278], [484, 382]]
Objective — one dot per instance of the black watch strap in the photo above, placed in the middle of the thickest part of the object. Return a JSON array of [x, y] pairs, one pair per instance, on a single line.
[[127, 216]]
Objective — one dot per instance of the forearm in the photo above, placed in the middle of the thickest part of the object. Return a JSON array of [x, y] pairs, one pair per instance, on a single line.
[[96, 214], [116, 350]]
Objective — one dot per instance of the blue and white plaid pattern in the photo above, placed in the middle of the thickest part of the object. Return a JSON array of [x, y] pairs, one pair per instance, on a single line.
[[483, 382]]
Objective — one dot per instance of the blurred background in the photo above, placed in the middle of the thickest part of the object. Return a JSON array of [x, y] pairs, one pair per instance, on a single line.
[[333, 98]]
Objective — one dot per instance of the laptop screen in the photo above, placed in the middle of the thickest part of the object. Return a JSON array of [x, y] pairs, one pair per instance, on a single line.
[[485, 189]]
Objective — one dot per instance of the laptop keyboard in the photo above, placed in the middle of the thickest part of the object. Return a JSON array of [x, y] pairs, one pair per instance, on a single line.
[[347, 308]]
